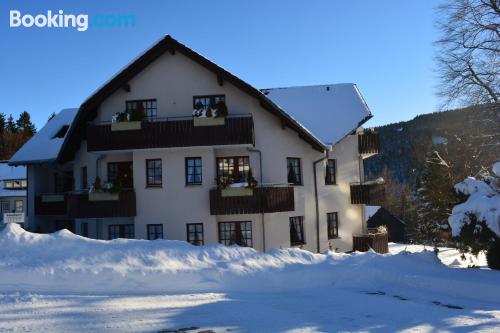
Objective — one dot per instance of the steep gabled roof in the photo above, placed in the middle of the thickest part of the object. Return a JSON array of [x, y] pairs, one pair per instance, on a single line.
[[330, 111], [87, 110], [45, 145]]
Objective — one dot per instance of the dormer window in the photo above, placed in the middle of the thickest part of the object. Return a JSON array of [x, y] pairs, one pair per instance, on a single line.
[[148, 105], [62, 132]]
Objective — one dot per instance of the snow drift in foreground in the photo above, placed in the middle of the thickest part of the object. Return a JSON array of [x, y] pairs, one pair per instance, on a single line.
[[63, 262], [483, 201]]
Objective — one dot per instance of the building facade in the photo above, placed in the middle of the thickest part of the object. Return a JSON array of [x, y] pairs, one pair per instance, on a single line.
[[13, 184], [173, 175]]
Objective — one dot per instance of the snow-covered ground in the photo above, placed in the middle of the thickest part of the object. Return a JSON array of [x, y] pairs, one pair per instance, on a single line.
[[66, 283]]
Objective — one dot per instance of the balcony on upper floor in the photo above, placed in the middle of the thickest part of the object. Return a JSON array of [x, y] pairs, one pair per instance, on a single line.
[[368, 143], [262, 199], [86, 205], [367, 194], [171, 132], [51, 204]]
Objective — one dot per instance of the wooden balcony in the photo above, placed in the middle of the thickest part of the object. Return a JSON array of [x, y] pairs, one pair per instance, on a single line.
[[264, 200], [364, 194], [53, 204], [368, 143], [378, 242], [171, 132], [79, 206]]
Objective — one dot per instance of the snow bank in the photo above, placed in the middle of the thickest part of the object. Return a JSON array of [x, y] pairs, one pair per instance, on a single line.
[[483, 201], [64, 262]]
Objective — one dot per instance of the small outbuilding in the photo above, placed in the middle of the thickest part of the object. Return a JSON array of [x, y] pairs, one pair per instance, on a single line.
[[377, 216]]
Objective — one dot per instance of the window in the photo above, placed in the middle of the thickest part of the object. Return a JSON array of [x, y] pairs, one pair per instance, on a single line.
[[233, 167], [294, 173], [330, 174], [63, 181], [62, 132], [153, 173], [155, 231], [19, 206], [121, 231], [231, 233], [83, 176], [4, 206], [85, 229], [297, 230], [149, 106], [121, 171], [333, 225], [193, 171], [15, 184], [208, 100], [195, 233]]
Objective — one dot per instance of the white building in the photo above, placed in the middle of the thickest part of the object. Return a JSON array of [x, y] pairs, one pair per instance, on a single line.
[[13, 185], [304, 146]]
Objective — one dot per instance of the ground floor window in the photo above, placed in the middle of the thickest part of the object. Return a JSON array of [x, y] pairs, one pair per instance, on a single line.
[[85, 229], [19, 206], [121, 231], [155, 231], [4, 206], [297, 230], [333, 225], [195, 233], [235, 233]]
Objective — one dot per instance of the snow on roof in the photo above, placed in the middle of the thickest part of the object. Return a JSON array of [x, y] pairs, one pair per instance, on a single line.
[[330, 111], [11, 172], [44, 146]]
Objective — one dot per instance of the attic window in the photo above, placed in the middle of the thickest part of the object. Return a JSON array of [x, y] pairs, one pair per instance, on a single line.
[[62, 132]]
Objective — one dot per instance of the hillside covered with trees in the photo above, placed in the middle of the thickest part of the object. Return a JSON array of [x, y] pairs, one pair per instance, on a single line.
[[466, 141]]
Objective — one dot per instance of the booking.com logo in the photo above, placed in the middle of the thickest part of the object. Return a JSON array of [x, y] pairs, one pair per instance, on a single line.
[[81, 22]]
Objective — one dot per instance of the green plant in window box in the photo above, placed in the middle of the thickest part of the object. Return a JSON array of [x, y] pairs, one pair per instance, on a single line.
[[252, 182], [221, 109]]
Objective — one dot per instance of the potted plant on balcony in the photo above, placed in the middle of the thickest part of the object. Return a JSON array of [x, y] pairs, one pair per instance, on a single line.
[[128, 120], [230, 188], [212, 115], [106, 192]]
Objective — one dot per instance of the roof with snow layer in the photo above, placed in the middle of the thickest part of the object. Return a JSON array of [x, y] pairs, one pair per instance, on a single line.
[[11, 173], [45, 145], [330, 111], [168, 44]]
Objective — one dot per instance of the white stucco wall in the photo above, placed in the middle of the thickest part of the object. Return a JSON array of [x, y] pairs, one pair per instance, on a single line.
[[173, 80]]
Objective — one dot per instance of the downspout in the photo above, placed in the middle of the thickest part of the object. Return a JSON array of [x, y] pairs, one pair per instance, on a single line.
[[317, 201], [254, 150]]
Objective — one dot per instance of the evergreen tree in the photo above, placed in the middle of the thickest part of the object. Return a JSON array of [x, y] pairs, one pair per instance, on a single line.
[[11, 125], [25, 125], [435, 199], [2, 122]]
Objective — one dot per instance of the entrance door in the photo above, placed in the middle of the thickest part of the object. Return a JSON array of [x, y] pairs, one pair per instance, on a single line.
[[122, 172]]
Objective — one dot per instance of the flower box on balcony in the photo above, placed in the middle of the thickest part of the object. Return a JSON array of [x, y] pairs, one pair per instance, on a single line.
[[52, 198], [209, 121], [126, 126], [103, 196], [236, 192]]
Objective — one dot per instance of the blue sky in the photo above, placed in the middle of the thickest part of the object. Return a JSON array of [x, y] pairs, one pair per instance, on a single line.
[[384, 46]]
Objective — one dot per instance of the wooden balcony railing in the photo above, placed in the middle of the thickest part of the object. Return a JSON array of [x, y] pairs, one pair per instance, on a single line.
[[264, 200], [364, 194], [368, 143], [378, 242], [51, 204], [79, 206], [171, 132]]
